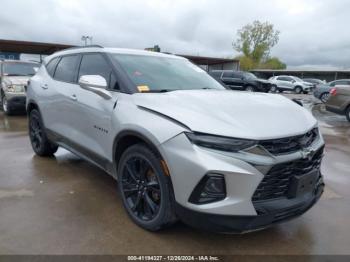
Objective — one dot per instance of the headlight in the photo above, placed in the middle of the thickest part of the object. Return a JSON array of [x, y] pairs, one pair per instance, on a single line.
[[15, 88], [220, 143]]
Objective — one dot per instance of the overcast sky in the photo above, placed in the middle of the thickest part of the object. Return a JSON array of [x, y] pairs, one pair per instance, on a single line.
[[313, 32]]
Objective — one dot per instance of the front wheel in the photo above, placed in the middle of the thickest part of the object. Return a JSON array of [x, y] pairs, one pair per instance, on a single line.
[[41, 145], [324, 97], [145, 188], [5, 105], [298, 90]]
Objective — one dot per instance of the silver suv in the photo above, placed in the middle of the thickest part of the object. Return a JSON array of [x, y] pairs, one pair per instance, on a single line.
[[14, 76], [180, 145], [289, 83]]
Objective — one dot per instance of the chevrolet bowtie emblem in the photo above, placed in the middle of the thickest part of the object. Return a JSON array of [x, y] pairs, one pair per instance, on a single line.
[[307, 153]]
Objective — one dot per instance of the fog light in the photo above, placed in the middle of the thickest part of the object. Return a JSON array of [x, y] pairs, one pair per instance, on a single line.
[[210, 189]]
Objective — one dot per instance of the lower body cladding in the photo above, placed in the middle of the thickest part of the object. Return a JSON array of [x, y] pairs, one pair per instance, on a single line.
[[241, 192]]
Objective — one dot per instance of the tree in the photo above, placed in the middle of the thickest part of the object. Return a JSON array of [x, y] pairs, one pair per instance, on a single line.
[[256, 40], [246, 63], [273, 63]]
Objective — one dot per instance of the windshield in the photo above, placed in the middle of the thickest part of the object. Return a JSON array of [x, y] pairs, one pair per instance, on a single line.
[[19, 69], [153, 73], [249, 76]]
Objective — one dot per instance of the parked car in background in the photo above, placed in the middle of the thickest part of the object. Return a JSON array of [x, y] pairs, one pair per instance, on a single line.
[[339, 100], [289, 83], [14, 76], [314, 81], [239, 80], [180, 145], [322, 91]]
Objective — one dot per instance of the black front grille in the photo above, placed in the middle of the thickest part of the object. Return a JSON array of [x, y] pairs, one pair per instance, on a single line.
[[290, 144], [277, 181]]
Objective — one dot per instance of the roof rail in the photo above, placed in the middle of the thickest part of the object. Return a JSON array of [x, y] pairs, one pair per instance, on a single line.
[[85, 46]]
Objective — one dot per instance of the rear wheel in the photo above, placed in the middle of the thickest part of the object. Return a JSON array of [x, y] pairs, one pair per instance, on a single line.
[[273, 89], [298, 90], [41, 145], [146, 190], [249, 89], [324, 97]]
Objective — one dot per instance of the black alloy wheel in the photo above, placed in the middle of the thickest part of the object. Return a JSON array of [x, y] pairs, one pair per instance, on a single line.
[[41, 145], [35, 132], [141, 188], [146, 189]]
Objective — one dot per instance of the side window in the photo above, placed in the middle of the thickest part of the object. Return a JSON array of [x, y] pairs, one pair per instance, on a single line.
[[51, 66], [237, 75], [66, 69], [337, 83], [95, 64], [228, 74], [216, 74], [284, 78]]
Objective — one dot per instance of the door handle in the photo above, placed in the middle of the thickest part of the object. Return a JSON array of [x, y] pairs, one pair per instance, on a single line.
[[73, 97], [44, 86]]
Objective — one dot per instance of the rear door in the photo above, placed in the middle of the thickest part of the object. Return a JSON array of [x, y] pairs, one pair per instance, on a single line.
[[93, 114], [57, 107], [284, 82], [233, 79]]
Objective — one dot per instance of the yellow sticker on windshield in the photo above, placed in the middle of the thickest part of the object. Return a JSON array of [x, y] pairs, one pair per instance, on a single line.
[[143, 88]]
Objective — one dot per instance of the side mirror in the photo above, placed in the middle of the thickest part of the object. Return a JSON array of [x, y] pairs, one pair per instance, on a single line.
[[96, 84], [293, 81]]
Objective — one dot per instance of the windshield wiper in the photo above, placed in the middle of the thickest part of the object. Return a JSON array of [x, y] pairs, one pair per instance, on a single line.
[[159, 91]]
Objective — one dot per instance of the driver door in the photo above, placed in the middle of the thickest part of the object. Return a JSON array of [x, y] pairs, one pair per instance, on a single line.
[[93, 114]]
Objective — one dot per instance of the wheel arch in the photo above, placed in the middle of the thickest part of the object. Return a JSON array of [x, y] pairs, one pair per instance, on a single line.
[[32, 105], [127, 138]]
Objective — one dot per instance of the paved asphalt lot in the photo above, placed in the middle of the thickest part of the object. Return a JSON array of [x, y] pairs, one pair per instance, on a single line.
[[64, 205]]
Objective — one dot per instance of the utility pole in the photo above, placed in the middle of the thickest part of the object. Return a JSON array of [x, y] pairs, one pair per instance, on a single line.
[[85, 39]]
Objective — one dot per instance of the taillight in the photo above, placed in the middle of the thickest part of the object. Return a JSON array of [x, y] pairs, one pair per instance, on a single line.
[[333, 91]]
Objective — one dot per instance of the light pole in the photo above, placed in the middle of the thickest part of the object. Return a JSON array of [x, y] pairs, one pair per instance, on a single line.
[[85, 39]]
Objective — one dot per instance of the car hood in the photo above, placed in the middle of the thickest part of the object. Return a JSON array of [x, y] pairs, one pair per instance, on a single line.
[[16, 80], [262, 81], [230, 113]]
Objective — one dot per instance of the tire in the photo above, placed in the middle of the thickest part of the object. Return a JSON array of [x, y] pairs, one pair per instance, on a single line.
[[5, 105], [41, 145], [324, 97], [146, 191], [273, 89], [347, 112], [249, 89], [298, 89]]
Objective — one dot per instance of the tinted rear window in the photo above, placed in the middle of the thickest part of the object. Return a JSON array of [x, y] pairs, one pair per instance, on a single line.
[[66, 69], [216, 74], [51, 66]]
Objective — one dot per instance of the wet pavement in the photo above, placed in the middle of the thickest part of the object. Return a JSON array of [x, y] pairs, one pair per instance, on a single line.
[[64, 205]]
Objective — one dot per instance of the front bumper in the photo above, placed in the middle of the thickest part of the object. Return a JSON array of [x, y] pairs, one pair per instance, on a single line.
[[269, 213], [243, 173], [16, 100]]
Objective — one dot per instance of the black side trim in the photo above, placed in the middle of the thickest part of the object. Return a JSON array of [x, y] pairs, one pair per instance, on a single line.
[[335, 110], [80, 151]]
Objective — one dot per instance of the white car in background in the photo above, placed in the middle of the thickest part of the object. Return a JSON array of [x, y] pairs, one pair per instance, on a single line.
[[289, 83]]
